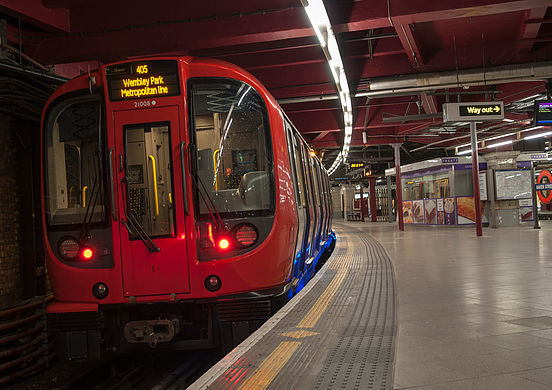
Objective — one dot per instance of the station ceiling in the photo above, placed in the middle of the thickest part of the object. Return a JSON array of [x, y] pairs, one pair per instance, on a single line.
[[435, 46]]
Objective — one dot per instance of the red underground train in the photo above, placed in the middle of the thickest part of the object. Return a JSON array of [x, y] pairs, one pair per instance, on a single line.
[[180, 207]]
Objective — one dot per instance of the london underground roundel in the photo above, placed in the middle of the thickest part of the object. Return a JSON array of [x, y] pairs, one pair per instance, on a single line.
[[545, 177]]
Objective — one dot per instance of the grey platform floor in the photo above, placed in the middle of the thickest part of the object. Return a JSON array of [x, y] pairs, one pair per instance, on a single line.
[[473, 312]]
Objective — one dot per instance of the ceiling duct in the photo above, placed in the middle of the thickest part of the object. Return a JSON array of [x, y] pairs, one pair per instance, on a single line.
[[410, 84], [464, 78]]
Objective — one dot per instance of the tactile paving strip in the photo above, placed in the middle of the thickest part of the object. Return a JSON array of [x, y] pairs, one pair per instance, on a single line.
[[340, 335]]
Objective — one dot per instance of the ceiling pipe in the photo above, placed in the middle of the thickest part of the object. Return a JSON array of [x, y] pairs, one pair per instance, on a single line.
[[409, 84], [463, 78]]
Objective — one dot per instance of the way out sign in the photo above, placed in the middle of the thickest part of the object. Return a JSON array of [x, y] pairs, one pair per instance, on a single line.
[[544, 186], [475, 111]]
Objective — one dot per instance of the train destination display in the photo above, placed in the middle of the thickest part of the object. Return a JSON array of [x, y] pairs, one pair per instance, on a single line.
[[142, 79]]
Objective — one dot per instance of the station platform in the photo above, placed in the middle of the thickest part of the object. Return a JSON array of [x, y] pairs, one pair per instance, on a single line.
[[427, 308]]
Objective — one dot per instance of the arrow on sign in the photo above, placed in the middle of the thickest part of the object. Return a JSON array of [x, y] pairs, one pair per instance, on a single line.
[[496, 108]]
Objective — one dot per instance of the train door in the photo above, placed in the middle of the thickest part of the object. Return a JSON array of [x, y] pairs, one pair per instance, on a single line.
[[317, 208], [153, 260], [297, 176], [312, 206]]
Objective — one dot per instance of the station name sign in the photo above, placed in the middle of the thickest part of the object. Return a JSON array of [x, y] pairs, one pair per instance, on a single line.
[[143, 79], [476, 111]]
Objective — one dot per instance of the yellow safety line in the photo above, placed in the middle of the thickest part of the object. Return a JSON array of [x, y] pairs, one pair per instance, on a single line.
[[271, 366], [314, 314]]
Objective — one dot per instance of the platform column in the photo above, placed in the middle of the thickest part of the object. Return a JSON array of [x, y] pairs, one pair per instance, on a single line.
[[475, 174], [373, 199], [389, 200], [361, 202], [397, 148]]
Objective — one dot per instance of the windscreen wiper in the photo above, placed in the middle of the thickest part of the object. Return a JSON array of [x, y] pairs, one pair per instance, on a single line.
[[91, 206], [135, 227], [212, 212]]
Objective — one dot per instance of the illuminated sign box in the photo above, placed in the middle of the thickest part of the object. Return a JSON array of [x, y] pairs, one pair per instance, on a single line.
[[543, 112], [357, 165], [142, 79], [475, 111]]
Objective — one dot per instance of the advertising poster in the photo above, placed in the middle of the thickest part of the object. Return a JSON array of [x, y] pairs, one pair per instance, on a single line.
[[430, 206], [483, 185], [466, 210], [418, 211], [526, 210], [440, 212], [450, 211], [407, 211]]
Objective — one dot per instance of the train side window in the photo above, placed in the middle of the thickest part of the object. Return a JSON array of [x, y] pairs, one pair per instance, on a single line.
[[299, 169], [294, 174], [230, 129], [73, 142]]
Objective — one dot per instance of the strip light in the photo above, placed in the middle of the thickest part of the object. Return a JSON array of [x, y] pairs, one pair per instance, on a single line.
[[499, 144], [468, 151], [538, 135], [322, 27]]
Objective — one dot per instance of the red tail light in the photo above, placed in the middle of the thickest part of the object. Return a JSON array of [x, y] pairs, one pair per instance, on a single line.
[[223, 244], [87, 254], [246, 235]]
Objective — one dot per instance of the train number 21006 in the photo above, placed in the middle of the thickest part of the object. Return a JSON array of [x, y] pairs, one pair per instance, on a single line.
[[144, 103]]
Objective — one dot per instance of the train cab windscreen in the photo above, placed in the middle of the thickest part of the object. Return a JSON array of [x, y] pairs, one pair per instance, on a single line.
[[234, 156], [73, 163]]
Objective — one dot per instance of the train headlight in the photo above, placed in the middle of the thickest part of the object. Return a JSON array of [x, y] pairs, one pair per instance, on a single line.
[[100, 290], [246, 235], [68, 248], [213, 283]]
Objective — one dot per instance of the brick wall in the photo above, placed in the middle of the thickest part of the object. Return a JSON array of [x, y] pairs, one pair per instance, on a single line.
[[10, 225]]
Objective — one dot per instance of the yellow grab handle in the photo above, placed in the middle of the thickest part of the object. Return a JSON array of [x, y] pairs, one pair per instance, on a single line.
[[83, 195], [154, 185], [215, 167]]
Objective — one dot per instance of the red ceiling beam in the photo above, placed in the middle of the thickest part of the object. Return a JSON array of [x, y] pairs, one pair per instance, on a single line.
[[530, 31], [330, 144], [429, 103], [417, 11], [34, 12], [173, 37], [408, 41]]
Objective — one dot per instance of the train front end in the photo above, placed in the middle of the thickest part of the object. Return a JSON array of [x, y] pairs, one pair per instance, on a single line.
[[167, 208]]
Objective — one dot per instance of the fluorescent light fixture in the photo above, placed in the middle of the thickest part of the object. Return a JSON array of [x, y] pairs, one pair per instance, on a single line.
[[499, 144], [538, 135], [507, 120], [464, 152], [532, 128], [498, 136], [318, 17]]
